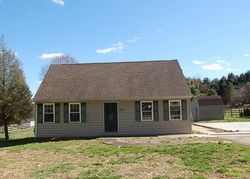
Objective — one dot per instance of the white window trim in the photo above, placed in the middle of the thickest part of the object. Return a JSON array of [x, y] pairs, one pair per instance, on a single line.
[[170, 111], [75, 112], [152, 110], [45, 104]]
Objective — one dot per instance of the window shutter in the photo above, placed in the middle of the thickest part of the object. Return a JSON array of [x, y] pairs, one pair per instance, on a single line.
[[66, 112], [40, 113], [156, 110], [83, 112], [184, 109], [137, 111], [57, 113], [166, 110]]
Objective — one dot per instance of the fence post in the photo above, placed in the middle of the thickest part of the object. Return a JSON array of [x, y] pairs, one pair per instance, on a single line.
[[231, 112]]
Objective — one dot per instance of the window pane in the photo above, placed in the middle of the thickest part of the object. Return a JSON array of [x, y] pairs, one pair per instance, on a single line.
[[147, 106], [146, 111], [48, 108], [176, 103], [147, 116], [48, 118], [75, 117], [74, 107], [175, 110]]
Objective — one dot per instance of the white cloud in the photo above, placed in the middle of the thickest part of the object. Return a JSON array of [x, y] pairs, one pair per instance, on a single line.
[[51, 55], [215, 64], [223, 62], [115, 47], [58, 2], [197, 62], [213, 67], [229, 69], [246, 55], [39, 82], [158, 30], [133, 40]]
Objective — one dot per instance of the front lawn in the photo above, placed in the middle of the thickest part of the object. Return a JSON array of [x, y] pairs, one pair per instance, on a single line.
[[24, 158]]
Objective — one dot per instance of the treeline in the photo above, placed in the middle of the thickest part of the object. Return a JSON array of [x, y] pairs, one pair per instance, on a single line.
[[234, 89]]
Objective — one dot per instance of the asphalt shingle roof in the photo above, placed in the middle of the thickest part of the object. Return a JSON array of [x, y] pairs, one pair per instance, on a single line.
[[210, 101], [113, 81]]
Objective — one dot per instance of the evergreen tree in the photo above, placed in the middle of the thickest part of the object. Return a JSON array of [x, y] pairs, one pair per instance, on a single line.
[[194, 86], [229, 93], [247, 92], [211, 92], [15, 96]]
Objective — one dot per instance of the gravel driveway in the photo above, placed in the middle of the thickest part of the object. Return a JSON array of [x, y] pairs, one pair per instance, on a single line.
[[238, 132], [229, 126], [240, 138]]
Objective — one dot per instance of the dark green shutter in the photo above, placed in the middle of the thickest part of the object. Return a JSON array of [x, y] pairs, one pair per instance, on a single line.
[[184, 109], [66, 112], [57, 113], [166, 110], [83, 112], [156, 110], [40, 113], [137, 111]]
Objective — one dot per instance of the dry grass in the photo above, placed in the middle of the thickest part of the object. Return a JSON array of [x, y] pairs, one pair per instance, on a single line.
[[148, 157], [160, 140]]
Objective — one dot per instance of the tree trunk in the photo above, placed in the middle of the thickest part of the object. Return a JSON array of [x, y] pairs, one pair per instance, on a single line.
[[5, 124], [6, 132]]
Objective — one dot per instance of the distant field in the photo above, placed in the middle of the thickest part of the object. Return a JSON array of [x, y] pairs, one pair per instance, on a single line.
[[235, 112], [23, 157]]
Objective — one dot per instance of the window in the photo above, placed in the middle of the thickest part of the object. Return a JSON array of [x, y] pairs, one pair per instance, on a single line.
[[74, 112], [146, 111], [48, 113], [175, 110]]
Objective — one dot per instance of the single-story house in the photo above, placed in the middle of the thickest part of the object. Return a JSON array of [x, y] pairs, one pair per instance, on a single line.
[[113, 99], [208, 108]]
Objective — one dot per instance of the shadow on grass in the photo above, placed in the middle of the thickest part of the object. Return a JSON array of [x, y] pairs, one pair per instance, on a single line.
[[15, 142], [33, 140]]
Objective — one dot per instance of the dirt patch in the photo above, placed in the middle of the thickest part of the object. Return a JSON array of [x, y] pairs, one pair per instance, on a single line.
[[159, 140]]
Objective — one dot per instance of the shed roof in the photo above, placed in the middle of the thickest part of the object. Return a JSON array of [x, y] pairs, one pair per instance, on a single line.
[[210, 101], [113, 81]]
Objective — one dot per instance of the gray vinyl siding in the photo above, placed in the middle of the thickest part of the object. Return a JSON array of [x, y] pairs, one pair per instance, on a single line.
[[93, 126], [127, 125], [211, 112]]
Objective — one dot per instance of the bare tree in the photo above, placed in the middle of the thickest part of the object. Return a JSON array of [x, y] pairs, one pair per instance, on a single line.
[[65, 59]]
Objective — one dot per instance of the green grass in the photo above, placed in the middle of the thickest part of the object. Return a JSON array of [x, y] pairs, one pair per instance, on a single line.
[[105, 173], [55, 168], [94, 159], [19, 134]]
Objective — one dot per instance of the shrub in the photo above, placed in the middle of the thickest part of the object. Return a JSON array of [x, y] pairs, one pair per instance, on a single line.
[[241, 114]]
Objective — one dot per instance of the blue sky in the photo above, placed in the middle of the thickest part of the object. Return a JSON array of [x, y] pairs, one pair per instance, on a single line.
[[210, 38]]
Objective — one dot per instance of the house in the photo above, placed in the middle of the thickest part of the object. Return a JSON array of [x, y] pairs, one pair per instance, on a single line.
[[208, 108], [113, 99]]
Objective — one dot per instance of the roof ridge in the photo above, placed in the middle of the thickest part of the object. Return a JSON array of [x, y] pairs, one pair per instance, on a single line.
[[144, 61]]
